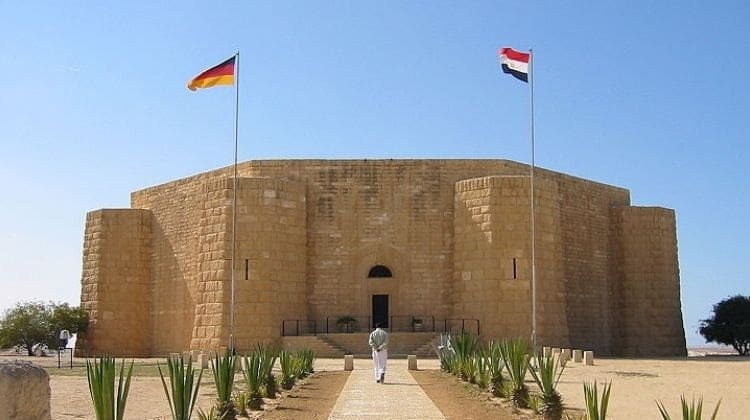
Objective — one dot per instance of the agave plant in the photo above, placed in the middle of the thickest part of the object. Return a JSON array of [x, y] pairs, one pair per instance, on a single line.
[[254, 378], [594, 409], [307, 359], [550, 401], [515, 358], [211, 415], [267, 361], [223, 369], [483, 374], [101, 378], [692, 411], [286, 362], [494, 359], [240, 400], [465, 347], [183, 385]]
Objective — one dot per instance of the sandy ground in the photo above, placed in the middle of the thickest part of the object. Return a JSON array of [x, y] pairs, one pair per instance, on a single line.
[[637, 384]]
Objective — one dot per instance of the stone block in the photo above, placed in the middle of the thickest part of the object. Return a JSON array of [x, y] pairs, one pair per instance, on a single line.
[[412, 361], [546, 351], [203, 360], [556, 351], [348, 362], [588, 358], [24, 391], [577, 356]]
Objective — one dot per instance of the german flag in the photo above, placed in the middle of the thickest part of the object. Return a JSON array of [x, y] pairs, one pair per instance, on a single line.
[[222, 74]]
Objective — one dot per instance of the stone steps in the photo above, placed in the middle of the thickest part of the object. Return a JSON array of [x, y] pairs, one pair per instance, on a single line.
[[337, 344]]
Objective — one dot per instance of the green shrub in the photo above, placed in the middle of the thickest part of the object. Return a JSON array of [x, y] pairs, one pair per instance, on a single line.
[[494, 358], [101, 378], [286, 362], [515, 356], [550, 401], [594, 409], [183, 385], [254, 378], [223, 368], [692, 411]]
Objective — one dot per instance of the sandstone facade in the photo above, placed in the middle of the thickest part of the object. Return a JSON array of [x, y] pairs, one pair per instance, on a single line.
[[314, 237]]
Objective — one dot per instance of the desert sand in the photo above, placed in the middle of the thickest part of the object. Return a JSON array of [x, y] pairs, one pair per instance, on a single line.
[[636, 385]]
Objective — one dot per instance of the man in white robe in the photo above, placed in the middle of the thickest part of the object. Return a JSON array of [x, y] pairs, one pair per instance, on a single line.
[[379, 344]]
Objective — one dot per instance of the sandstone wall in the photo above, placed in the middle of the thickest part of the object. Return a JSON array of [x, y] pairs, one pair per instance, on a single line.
[[177, 208], [493, 258], [587, 255], [491, 230], [452, 232], [362, 213], [116, 283], [647, 274], [270, 261]]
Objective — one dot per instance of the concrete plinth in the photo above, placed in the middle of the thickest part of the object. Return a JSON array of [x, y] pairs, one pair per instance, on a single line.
[[577, 356], [412, 359], [546, 351], [203, 360], [348, 362], [588, 358]]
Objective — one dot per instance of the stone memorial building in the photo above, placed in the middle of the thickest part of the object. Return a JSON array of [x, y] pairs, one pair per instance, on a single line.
[[446, 242]]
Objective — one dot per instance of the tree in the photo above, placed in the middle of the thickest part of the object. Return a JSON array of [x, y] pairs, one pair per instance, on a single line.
[[30, 323], [730, 324]]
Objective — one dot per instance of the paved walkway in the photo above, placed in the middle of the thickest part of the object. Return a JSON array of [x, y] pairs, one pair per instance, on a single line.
[[400, 397]]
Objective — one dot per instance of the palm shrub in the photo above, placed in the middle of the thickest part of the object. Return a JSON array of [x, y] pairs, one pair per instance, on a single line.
[[254, 378], [550, 401], [465, 347], [514, 353], [101, 378], [286, 362], [211, 415], [307, 359], [595, 410], [446, 356], [240, 399], [495, 363], [267, 361], [183, 386], [223, 368], [482, 370], [692, 411]]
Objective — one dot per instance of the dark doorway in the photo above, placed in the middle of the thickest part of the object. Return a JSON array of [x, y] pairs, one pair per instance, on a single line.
[[380, 310]]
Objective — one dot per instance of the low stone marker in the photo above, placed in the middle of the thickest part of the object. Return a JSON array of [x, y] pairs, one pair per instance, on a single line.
[[577, 356], [588, 358], [348, 362], [567, 353], [412, 360], [556, 351], [24, 391], [174, 355], [203, 359], [546, 351]]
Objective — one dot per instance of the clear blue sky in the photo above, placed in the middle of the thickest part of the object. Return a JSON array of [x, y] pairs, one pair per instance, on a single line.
[[650, 96]]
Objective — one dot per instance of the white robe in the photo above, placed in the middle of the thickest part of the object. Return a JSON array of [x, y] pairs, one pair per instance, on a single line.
[[379, 360]]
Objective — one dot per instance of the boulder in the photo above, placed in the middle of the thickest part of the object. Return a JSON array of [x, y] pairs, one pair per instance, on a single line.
[[24, 391]]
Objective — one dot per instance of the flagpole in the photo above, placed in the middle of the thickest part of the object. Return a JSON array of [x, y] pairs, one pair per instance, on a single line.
[[234, 198], [533, 230]]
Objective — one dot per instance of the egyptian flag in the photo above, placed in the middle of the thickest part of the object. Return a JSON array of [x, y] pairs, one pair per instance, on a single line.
[[515, 63], [222, 74]]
